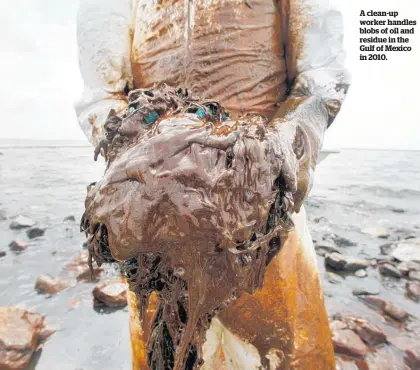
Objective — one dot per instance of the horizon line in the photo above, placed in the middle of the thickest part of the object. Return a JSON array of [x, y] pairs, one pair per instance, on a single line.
[[87, 144]]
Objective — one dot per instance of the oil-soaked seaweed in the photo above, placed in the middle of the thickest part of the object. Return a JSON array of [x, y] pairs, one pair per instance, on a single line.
[[184, 269]]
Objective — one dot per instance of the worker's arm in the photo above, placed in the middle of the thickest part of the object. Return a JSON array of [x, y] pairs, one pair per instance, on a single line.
[[320, 84], [104, 40]]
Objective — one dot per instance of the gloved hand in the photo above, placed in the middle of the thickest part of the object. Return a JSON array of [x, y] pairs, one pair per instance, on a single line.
[[296, 172], [299, 139]]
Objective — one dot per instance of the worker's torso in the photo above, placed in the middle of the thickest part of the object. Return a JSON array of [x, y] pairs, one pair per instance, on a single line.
[[229, 50]]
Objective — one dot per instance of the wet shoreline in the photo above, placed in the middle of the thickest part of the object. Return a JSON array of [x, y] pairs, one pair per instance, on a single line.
[[352, 192]]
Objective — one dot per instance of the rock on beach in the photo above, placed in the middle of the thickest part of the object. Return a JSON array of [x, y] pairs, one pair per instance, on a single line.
[[35, 232], [21, 222], [46, 284], [389, 270], [18, 245], [407, 250], [345, 263], [112, 294], [386, 307], [70, 218], [413, 289], [348, 343], [370, 333], [21, 334]]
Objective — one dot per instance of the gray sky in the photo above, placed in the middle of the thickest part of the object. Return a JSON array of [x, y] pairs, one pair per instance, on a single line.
[[41, 78]]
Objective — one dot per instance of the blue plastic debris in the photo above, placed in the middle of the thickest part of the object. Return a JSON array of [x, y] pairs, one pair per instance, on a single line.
[[151, 118], [131, 109], [200, 113]]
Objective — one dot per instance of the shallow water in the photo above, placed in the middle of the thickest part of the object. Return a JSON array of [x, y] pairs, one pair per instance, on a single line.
[[353, 190], [47, 185]]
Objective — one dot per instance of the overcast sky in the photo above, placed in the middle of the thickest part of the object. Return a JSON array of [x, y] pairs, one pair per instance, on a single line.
[[41, 79]]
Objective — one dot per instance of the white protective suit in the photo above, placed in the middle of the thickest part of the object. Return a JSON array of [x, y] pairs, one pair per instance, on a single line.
[[280, 58]]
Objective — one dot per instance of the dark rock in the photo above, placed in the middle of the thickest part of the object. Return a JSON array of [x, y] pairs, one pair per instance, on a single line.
[[370, 333], [2, 253], [35, 232], [111, 294], [414, 275], [18, 245], [397, 210], [345, 263], [413, 289], [334, 278], [341, 241], [337, 316], [407, 250], [362, 291], [46, 284], [320, 219], [21, 334], [3, 216], [70, 218], [85, 245], [387, 248], [413, 357], [335, 260], [348, 343], [389, 270], [21, 222]]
